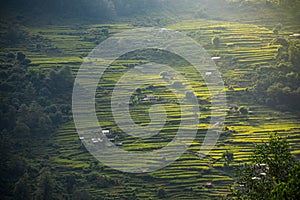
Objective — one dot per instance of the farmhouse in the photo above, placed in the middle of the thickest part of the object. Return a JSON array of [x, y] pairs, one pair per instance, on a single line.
[[96, 140], [215, 58], [149, 98], [164, 30], [261, 166], [263, 174], [120, 144], [208, 185], [297, 35], [106, 132]]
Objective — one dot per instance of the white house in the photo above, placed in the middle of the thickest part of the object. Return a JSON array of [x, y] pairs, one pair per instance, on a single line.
[[215, 58], [164, 30], [295, 35], [106, 132]]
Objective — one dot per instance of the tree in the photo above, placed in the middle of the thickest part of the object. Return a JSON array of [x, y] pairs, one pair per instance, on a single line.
[[46, 185], [293, 53], [164, 74], [215, 41], [161, 193], [177, 84], [190, 96], [21, 56], [56, 117], [21, 130], [22, 188], [11, 56], [29, 93], [70, 183], [277, 28], [243, 110], [61, 81], [268, 171], [275, 31], [228, 157], [81, 195], [139, 91], [277, 155], [289, 189]]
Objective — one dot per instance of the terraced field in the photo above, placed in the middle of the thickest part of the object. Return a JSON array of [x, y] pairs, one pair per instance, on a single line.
[[245, 45]]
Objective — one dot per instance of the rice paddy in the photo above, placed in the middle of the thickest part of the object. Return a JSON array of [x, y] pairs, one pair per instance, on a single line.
[[247, 44]]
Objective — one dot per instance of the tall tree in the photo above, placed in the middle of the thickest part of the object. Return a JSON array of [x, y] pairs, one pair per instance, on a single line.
[[271, 164]]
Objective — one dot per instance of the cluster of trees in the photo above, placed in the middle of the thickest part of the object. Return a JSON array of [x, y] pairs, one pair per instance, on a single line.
[[273, 173], [279, 86], [32, 105]]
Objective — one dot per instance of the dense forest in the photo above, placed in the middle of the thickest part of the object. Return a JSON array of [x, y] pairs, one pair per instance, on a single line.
[[257, 50], [33, 105]]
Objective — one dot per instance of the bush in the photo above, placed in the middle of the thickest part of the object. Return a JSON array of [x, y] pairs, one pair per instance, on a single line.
[[177, 84], [215, 41], [243, 110], [21, 56], [164, 74], [161, 193], [271, 174]]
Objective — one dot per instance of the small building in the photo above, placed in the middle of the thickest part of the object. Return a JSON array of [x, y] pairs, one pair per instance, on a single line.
[[106, 132], [240, 185], [81, 138], [208, 73], [297, 35], [256, 178], [216, 58], [262, 174], [120, 144], [95, 140], [261, 166], [149, 98], [164, 30], [208, 185]]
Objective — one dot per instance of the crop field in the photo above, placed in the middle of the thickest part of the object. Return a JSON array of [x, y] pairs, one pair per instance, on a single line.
[[242, 48]]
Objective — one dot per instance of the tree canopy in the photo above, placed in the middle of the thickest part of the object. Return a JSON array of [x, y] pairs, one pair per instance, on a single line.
[[271, 174]]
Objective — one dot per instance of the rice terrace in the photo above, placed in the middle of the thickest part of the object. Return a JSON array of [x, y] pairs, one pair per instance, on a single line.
[[255, 47]]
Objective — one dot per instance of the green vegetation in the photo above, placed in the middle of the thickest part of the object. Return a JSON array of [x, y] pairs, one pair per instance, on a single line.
[[33, 105], [271, 170], [41, 154], [215, 41]]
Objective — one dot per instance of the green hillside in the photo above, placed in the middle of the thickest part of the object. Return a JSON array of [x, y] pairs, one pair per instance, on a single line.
[[42, 155]]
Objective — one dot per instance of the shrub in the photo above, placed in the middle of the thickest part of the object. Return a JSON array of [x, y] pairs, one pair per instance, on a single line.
[[215, 41], [243, 110]]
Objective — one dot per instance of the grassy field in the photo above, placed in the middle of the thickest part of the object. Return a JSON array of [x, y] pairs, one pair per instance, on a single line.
[[242, 47]]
